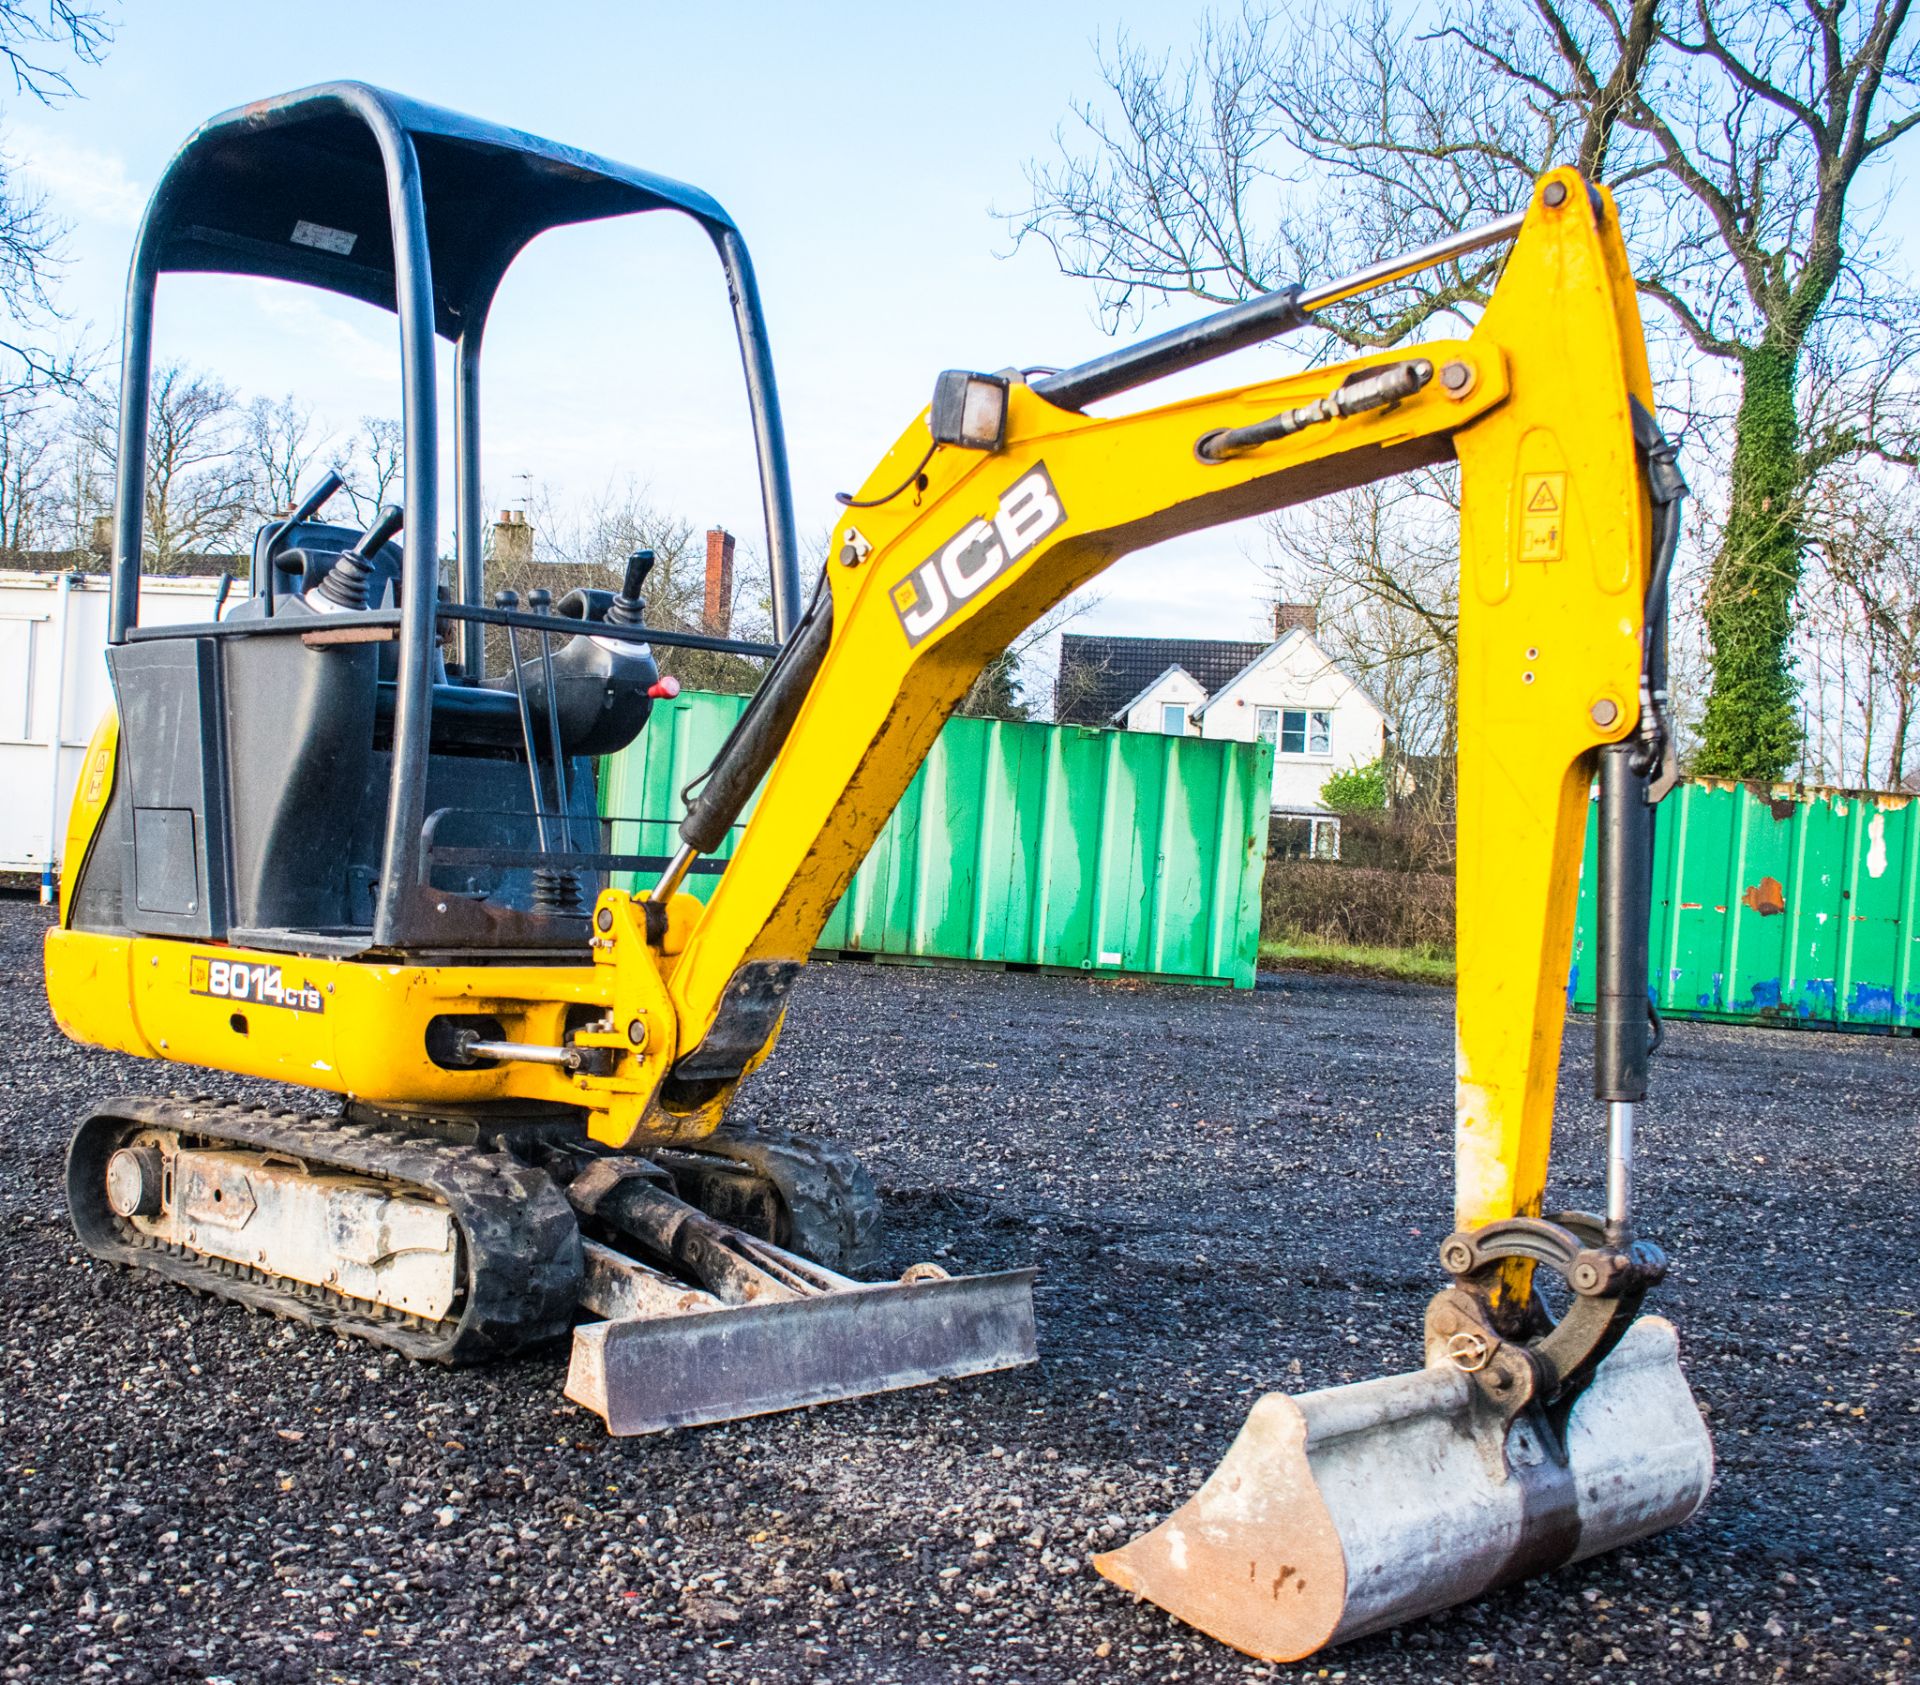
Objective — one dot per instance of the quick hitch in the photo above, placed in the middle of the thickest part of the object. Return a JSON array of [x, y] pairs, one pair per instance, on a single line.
[[1535, 1360]]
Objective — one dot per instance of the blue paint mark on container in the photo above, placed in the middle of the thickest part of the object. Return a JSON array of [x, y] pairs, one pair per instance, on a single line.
[[1766, 995], [1871, 1001]]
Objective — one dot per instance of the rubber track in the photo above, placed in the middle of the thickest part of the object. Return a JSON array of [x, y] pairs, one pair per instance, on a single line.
[[521, 1243]]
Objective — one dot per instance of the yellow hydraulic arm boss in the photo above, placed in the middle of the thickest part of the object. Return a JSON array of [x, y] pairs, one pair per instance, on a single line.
[[320, 841]]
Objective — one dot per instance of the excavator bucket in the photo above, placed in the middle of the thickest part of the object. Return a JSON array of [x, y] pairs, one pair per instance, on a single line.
[[1355, 1508]]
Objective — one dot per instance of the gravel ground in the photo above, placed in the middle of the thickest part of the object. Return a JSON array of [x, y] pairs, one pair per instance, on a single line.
[[1224, 1192]]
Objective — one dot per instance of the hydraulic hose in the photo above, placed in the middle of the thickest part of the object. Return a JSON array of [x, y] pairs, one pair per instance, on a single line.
[[757, 737]]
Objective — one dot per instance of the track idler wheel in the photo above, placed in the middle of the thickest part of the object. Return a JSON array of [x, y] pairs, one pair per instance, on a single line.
[[1352, 1509]]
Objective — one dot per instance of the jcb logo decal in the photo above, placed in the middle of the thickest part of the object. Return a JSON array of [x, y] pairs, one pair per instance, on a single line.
[[978, 554]]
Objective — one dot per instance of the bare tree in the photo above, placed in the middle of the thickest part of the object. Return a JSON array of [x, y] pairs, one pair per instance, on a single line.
[[31, 469], [591, 538], [198, 487], [281, 444], [1016, 684], [61, 28], [1272, 152], [1738, 135], [1860, 635], [1381, 566], [37, 42], [372, 465]]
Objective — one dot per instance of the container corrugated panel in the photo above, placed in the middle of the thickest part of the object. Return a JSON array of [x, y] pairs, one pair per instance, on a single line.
[[1782, 905], [1020, 844]]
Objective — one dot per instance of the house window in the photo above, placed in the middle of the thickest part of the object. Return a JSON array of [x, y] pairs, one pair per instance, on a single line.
[[1306, 731], [1173, 718], [1266, 724]]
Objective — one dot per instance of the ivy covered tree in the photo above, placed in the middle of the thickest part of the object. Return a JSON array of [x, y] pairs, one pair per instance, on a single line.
[[1740, 138]]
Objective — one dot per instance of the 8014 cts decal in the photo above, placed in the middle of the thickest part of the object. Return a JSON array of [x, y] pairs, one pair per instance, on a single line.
[[978, 554], [258, 985]]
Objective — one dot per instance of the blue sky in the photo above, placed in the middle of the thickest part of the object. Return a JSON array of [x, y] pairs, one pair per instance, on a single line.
[[863, 149]]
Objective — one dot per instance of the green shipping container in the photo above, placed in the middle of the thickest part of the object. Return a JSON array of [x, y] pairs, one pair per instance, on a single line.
[[1018, 844], [1777, 906]]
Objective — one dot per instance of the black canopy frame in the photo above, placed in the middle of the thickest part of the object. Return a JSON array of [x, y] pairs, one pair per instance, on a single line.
[[421, 211]]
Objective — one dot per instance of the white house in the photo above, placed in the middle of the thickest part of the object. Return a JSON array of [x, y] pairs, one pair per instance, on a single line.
[[1289, 693]]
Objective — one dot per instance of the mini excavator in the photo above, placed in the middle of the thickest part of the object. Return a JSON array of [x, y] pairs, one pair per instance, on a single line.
[[317, 841]]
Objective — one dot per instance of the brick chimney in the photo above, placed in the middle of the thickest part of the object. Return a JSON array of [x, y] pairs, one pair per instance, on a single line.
[[100, 541], [513, 537], [719, 606], [1287, 616]]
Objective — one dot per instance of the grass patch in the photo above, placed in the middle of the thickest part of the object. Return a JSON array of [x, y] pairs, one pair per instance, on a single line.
[[1426, 964]]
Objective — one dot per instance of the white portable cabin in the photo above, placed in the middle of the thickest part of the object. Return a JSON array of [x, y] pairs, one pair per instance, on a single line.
[[53, 691]]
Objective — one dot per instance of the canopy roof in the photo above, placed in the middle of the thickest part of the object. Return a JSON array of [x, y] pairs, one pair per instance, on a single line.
[[294, 188]]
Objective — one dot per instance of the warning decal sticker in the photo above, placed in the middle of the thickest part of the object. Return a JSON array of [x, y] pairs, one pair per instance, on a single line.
[[322, 238], [1543, 505]]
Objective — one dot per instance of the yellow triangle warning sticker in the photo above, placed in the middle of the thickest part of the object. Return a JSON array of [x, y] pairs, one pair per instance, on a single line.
[[1543, 509]]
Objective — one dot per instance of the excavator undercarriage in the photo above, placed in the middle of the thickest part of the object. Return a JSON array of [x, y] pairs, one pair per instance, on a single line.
[[462, 1239], [320, 841]]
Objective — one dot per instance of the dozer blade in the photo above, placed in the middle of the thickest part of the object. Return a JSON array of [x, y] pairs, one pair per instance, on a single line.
[[1355, 1508], [645, 1374]]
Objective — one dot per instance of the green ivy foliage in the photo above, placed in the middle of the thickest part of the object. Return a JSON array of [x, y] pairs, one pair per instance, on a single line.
[[1360, 789], [1752, 727]]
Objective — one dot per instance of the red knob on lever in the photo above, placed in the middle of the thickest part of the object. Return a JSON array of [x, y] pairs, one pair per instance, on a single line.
[[664, 689]]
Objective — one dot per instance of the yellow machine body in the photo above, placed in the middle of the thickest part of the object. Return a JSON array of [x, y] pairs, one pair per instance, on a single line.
[[928, 584]]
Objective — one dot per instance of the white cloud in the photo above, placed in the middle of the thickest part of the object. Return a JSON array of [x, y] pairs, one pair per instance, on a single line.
[[83, 183], [355, 355]]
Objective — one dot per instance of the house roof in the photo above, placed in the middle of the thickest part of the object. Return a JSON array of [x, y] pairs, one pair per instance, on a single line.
[[1227, 684], [1146, 690], [1285, 639], [1100, 677]]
